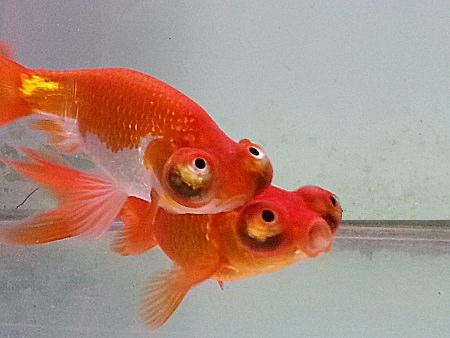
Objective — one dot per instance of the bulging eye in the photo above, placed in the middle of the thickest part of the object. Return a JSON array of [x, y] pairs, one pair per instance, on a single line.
[[333, 200], [268, 216], [257, 169], [188, 177], [200, 166], [256, 152], [260, 229]]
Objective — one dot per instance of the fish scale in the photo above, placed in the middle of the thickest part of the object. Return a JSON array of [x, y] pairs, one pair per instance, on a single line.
[[142, 134]]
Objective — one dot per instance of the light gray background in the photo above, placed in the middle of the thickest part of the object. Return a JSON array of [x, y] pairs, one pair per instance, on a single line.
[[350, 95]]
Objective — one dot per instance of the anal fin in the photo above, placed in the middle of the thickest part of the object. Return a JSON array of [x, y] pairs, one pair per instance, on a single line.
[[166, 291]]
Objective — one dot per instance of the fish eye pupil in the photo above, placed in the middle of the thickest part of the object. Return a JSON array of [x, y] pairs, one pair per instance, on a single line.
[[254, 151], [333, 200], [200, 163], [268, 216]]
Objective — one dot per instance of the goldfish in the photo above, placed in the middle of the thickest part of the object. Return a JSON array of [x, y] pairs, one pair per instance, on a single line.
[[276, 228], [147, 139], [273, 230]]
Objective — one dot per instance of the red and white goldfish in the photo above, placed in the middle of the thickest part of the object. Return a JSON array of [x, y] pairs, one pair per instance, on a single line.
[[149, 140]]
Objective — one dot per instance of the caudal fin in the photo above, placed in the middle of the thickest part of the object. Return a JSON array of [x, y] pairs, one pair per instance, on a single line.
[[87, 205], [12, 104]]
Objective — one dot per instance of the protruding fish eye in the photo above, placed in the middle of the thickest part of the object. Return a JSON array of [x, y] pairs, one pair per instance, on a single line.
[[333, 200], [189, 177], [258, 170], [268, 216], [260, 229], [200, 166], [256, 152]]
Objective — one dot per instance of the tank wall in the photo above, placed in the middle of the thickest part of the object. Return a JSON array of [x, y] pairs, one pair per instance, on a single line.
[[352, 96]]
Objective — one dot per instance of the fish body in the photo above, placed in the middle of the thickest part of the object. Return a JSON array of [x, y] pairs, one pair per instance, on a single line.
[[275, 229], [148, 139]]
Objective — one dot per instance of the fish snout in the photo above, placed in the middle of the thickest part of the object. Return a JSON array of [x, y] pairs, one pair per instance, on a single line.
[[320, 237]]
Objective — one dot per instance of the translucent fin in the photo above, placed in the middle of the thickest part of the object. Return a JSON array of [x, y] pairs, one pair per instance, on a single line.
[[63, 133], [165, 292], [87, 205], [136, 237]]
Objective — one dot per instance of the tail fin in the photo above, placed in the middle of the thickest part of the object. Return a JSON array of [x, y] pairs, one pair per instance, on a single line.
[[87, 205], [12, 104]]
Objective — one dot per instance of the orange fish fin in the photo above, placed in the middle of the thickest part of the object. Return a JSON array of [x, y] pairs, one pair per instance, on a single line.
[[42, 228], [136, 237], [87, 205], [50, 155], [12, 104], [166, 290], [220, 284]]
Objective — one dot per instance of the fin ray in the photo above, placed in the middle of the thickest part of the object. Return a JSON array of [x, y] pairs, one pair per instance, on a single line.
[[165, 292], [87, 205]]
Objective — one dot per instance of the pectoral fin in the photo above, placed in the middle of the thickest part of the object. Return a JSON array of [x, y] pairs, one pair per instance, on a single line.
[[138, 217]]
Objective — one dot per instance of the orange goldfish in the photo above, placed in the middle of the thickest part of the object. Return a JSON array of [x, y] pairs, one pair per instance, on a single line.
[[275, 229], [149, 140]]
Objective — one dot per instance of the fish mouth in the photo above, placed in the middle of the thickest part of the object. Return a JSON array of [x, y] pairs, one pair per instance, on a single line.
[[320, 238]]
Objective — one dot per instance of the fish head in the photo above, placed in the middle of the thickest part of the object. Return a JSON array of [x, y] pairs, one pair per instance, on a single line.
[[272, 231], [257, 171], [324, 202], [214, 180]]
